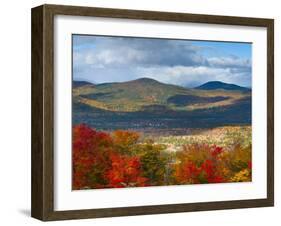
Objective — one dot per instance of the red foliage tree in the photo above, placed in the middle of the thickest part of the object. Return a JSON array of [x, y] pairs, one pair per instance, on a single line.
[[90, 157], [208, 171], [125, 172]]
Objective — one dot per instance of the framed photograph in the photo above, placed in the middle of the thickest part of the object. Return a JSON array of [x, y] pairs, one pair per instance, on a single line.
[[141, 112]]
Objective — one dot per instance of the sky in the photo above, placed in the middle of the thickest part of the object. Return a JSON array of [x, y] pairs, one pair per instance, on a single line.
[[188, 63]]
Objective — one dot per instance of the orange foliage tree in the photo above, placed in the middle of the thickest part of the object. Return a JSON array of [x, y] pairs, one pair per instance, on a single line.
[[125, 141]]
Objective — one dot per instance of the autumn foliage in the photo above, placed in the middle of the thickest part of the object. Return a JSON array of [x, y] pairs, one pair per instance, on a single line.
[[122, 159], [125, 172], [200, 164], [99, 161]]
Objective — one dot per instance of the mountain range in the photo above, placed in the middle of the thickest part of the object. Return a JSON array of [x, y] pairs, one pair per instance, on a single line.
[[146, 102]]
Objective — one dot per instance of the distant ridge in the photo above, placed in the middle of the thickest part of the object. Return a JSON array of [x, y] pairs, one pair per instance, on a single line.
[[144, 81], [213, 85], [76, 84]]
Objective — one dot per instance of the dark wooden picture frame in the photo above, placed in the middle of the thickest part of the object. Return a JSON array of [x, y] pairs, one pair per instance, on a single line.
[[42, 203]]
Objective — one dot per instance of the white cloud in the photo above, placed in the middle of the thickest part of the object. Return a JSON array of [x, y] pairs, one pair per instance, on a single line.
[[114, 57], [229, 62]]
